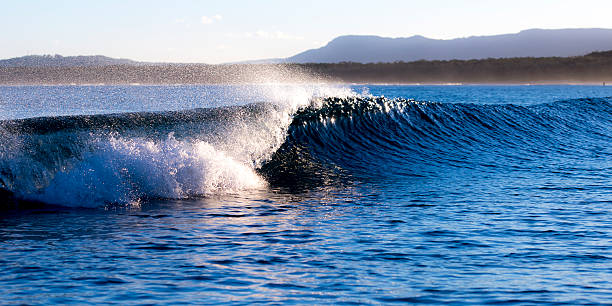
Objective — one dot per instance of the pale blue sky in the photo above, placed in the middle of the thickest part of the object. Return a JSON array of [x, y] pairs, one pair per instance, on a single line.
[[225, 31]]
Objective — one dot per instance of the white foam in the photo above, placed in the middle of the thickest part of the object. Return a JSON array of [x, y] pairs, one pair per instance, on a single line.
[[126, 170]]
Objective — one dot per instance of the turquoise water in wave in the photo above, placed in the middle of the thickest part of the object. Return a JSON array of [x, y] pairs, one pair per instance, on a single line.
[[306, 195]]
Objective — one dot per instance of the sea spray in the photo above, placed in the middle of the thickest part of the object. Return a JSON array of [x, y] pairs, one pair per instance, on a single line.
[[92, 160]]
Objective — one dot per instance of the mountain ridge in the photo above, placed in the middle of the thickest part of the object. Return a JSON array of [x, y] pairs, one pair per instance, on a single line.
[[526, 43], [65, 61]]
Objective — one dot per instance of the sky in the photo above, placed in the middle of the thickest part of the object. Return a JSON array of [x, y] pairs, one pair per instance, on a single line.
[[224, 31]]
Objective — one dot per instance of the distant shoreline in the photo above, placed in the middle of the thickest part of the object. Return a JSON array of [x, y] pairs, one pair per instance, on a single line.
[[592, 69]]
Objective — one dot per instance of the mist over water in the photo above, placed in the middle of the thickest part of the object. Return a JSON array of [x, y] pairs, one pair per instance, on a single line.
[[307, 194]]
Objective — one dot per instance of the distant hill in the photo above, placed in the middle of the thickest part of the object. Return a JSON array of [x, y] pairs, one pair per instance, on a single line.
[[528, 43], [64, 61]]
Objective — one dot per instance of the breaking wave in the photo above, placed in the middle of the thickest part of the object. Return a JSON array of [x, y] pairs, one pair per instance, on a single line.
[[308, 142]]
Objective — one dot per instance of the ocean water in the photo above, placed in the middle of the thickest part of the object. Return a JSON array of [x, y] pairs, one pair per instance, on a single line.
[[306, 194]]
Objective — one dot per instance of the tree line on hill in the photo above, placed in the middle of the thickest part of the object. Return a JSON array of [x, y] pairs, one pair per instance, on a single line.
[[595, 67]]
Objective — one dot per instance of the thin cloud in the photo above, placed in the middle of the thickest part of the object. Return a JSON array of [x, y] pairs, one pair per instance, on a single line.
[[211, 19]]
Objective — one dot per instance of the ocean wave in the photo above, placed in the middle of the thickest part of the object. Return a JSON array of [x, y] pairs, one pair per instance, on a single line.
[[125, 158]]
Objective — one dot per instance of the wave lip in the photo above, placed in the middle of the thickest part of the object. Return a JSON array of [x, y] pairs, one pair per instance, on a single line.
[[373, 138]]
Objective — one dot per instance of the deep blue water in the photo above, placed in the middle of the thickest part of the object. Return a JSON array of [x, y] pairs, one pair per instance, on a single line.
[[306, 194]]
